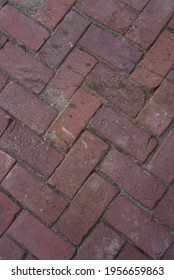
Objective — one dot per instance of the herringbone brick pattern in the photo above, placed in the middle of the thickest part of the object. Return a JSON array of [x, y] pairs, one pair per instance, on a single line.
[[86, 129]]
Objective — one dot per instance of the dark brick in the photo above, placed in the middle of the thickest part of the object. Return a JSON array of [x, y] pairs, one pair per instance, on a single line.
[[4, 121], [40, 240], [136, 4], [29, 147], [169, 255], [6, 163], [78, 164], [85, 209], [10, 250], [3, 40], [115, 51], [131, 253], [2, 3], [3, 80]]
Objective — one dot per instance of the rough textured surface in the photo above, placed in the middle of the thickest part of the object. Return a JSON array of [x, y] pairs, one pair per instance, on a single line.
[[86, 129]]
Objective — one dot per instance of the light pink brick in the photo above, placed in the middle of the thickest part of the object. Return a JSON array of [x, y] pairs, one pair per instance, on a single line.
[[85, 209], [6, 163], [67, 127], [138, 226], [116, 89], [78, 164], [130, 177], [157, 62], [29, 147], [40, 240], [159, 112], [24, 68], [27, 107], [10, 250], [125, 133], [163, 161], [150, 22], [108, 12], [95, 40], [34, 194], [68, 78], [102, 244], [63, 39], [8, 211], [25, 30], [53, 11]]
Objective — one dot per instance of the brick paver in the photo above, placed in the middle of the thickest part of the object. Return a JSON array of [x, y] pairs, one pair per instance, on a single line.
[[86, 129]]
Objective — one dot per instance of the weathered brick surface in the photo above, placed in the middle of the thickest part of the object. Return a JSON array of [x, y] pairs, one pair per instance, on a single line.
[[27, 6], [102, 244], [2, 3], [4, 121], [3, 80], [33, 194], [95, 41], [27, 107], [24, 68], [3, 40], [147, 234], [123, 132], [8, 211], [171, 23], [143, 32], [68, 78], [111, 13], [78, 164], [29, 147], [33, 35], [85, 209], [136, 4], [159, 112], [63, 40], [40, 240], [6, 163], [66, 128], [53, 11], [10, 250], [116, 88], [130, 177], [157, 62], [131, 253], [169, 255], [162, 162], [165, 208]]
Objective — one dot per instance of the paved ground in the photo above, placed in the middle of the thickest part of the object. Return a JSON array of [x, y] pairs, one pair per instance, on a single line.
[[86, 129]]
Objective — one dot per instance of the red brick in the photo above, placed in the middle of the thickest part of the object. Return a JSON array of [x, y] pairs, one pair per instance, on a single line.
[[159, 112], [157, 62], [163, 161], [29, 147], [27, 107], [125, 133], [116, 88], [67, 127], [171, 23], [3, 40], [10, 250], [95, 41], [138, 226], [6, 163], [78, 164], [2, 3], [165, 208], [63, 40], [33, 35], [85, 209], [53, 11], [3, 80], [111, 13], [143, 32], [40, 240], [68, 78], [34, 195], [136, 4], [133, 179], [102, 244], [24, 68], [4, 121], [169, 255], [131, 253], [8, 211]]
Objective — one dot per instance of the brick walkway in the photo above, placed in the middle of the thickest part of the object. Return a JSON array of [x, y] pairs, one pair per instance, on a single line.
[[86, 129]]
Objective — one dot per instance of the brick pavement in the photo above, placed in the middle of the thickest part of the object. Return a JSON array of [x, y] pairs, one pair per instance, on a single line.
[[86, 129]]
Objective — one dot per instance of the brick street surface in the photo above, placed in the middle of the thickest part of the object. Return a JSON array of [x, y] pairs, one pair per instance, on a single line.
[[86, 129]]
